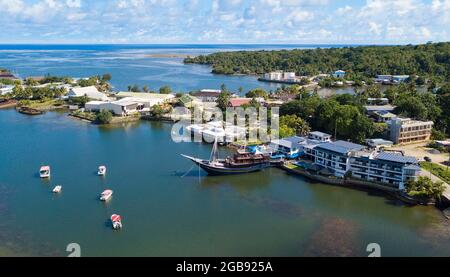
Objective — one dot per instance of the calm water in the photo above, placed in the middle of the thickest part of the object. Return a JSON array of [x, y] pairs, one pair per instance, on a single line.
[[169, 211], [130, 64]]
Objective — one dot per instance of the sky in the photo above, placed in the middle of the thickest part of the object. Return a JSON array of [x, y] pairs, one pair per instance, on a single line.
[[225, 21]]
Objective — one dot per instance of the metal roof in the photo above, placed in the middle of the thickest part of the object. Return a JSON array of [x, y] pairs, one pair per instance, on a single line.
[[395, 157], [340, 146], [320, 134]]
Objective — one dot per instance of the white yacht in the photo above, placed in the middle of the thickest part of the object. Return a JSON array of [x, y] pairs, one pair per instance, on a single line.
[[57, 189], [101, 170], [106, 195], [44, 172]]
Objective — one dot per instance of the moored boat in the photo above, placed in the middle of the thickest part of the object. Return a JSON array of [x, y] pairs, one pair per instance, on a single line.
[[116, 221], [241, 162], [101, 170], [106, 195], [44, 171], [57, 189]]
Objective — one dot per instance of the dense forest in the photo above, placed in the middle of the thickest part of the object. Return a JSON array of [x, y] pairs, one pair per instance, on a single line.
[[431, 60]]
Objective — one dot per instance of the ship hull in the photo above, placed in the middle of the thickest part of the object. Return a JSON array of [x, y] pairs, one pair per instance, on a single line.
[[219, 170]]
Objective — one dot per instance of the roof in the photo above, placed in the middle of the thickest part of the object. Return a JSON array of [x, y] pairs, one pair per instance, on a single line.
[[90, 92], [379, 108], [237, 102], [186, 98], [413, 167], [129, 101], [384, 114], [145, 95], [206, 93], [379, 141], [319, 134], [379, 99], [96, 102], [395, 157], [340, 146]]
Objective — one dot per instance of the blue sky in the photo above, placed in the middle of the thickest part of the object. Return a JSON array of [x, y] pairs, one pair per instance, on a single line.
[[224, 21]]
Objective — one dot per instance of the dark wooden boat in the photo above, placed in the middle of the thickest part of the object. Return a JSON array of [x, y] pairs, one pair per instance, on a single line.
[[237, 164], [29, 111]]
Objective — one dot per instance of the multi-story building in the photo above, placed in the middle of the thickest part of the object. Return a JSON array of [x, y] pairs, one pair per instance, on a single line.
[[406, 130], [387, 168], [274, 76], [335, 155], [320, 136]]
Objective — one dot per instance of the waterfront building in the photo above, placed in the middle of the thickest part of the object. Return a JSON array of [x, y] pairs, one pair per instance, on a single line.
[[152, 98], [94, 106], [335, 156], [274, 76], [289, 76], [339, 74], [127, 106], [6, 89], [386, 168], [294, 146], [90, 92], [406, 130], [207, 95]]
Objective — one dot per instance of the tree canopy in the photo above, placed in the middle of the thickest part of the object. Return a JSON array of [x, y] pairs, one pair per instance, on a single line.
[[432, 59]]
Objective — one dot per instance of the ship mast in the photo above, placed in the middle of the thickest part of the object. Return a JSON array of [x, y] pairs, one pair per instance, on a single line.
[[214, 153]]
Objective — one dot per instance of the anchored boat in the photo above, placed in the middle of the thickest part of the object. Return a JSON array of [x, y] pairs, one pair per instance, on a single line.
[[116, 221], [106, 195], [101, 170], [57, 189], [241, 162], [44, 172]]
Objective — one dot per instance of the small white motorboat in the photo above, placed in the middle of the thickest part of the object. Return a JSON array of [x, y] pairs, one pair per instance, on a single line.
[[106, 195], [101, 170], [57, 189], [116, 221], [44, 172]]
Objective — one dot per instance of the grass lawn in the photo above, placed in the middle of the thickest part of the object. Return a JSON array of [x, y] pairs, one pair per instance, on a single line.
[[438, 170], [42, 104]]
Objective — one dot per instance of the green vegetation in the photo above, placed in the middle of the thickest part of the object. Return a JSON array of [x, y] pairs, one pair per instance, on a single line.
[[165, 90], [342, 116], [291, 125], [20, 92], [425, 189], [85, 115], [9, 82], [440, 171], [257, 93], [224, 98], [432, 59], [104, 117]]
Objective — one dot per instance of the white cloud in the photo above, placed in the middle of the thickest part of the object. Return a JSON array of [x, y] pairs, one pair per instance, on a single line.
[[73, 3]]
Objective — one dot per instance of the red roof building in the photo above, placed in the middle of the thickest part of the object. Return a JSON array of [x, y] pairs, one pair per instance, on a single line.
[[237, 102]]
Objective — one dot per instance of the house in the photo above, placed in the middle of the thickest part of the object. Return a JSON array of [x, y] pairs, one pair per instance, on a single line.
[[386, 168], [152, 98], [7, 75], [90, 92], [292, 147], [289, 76], [207, 95], [383, 116], [237, 102], [6, 89], [319, 136], [339, 74], [406, 130]]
